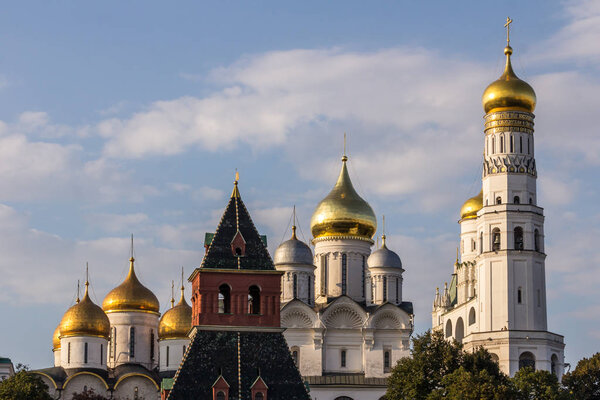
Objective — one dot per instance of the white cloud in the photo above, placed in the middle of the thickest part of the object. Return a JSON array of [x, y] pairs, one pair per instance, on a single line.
[[118, 223]]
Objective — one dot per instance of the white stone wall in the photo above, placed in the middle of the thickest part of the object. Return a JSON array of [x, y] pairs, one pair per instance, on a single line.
[[175, 353], [305, 275], [75, 357], [393, 277], [144, 324], [84, 380], [56, 354], [357, 251], [136, 385]]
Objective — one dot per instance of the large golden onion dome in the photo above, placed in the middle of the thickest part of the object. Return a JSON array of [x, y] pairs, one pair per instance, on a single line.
[[131, 295], [177, 321], [508, 92], [56, 338], [343, 212], [84, 319], [470, 208]]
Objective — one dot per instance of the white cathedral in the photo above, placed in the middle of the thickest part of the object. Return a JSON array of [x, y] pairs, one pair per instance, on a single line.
[[346, 322]]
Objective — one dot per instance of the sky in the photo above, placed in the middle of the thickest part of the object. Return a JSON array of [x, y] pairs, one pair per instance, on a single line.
[[132, 117]]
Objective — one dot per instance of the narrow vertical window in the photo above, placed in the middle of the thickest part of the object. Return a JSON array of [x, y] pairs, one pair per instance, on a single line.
[[224, 299], [344, 273], [309, 290], [520, 144], [372, 290], [480, 242], [110, 344], [501, 143], [295, 286], [495, 239], [512, 143], [536, 240], [167, 358], [132, 342], [517, 200], [397, 289], [386, 361], [498, 200], [323, 275], [69, 353], [101, 353], [152, 344], [343, 358], [364, 273], [518, 236], [183, 350], [519, 296], [85, 353], [493, 145], [384, 289]]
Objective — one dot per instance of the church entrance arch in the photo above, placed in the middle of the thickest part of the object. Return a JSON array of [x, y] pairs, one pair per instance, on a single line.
[[460, 330]]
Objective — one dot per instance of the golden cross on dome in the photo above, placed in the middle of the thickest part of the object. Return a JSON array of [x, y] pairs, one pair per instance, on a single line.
[[507, 26]]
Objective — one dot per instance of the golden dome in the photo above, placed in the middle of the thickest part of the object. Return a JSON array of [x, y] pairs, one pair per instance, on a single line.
[[472, 206], [177, 321], [343, 212], [131, 295], [84, 318], [508, 92], [56, 338]]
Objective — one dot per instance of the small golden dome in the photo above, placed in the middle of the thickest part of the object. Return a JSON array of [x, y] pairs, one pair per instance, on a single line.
[[508, 92], [177, 321], [131, 295], [84, 318], [343, 212], [472, 206], [56, 338]]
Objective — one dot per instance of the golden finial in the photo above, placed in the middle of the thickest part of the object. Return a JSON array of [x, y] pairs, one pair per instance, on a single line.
[[507, 26], [87, 274], [383, 231], [131, 259], [344, 157], [172, 294], [182, 286], [294, 224], [77, 300], [236, 193]]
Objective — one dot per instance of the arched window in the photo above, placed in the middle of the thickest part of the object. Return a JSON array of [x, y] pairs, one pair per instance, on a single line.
[[512, 143], [493, 145], [501, 143], [344, 273], [152, 344], [85, 353], [531, 200], [69, 353], [460, 330], [296, 355], [167, 358], [384, 289], [498, 200], [520, 144], [519, 296], [554, 364], [473, 245], [448, 329], [386, 361], [132, 342], [224, 299], [324, 268], [343, 398], [343, 358], [536, 240], [472, 316], [480, 242], [496, 239], [259, 396], [495, 357], [295, 286], [518, 234], [526, 359], [254, 300], [220, 395], [101, 353], [517, 200]]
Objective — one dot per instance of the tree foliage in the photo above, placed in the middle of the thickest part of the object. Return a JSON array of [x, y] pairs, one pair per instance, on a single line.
[[24, 386], [533, 385], [88, 394], [584, 381]]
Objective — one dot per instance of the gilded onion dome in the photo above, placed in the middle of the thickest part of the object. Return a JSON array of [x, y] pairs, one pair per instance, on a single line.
[[293, 251], [56, 338], [508, 92], [177, 321], [131, 295], [343, 212], [384, 257], [470, 208], [84, 319]]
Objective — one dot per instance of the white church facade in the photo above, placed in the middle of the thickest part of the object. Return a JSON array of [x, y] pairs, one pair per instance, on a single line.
[[497, 293]]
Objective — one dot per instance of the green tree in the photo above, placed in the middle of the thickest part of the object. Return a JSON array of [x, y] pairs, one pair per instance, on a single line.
[[24, 386], [533, 385], [584, 382], [88, 394]]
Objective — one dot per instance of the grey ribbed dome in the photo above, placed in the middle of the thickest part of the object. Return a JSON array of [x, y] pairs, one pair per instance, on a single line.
[[384, 257], [293, 251]]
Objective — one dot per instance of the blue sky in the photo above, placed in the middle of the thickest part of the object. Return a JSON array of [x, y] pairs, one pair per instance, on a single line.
[[121, 117]]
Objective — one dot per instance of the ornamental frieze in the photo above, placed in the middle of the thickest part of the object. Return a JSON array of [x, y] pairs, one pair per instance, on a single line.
[[523, 164]]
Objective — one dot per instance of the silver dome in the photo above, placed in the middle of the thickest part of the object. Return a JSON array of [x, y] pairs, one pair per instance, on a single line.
[[293, 251], [384, 257]]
